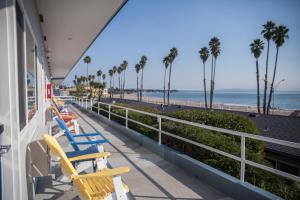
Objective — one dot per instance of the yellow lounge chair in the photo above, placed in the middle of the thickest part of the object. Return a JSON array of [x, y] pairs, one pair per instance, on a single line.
[[105, 184]]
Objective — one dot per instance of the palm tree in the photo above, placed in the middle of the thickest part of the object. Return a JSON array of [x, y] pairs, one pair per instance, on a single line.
[[166, 61], [214, 45], [204, 54], [142, 66], [84, 80], [87, 60], [137, 70], [256, 47], [268, 33], [119, 70], [89, 78], [124, 64], [173, 54], [78, 80], [279, 37], [115, 69], [111, 73], [99, 73], [103, 80]]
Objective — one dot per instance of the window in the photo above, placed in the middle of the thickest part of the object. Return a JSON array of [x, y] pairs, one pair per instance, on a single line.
[[30, 74], [21, 68]]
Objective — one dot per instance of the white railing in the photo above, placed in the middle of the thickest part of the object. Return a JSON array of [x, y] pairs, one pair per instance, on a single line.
[[67, 98], [88, 104]]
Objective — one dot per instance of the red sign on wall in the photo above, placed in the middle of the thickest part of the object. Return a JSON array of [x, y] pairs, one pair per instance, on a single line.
[[49, 91]]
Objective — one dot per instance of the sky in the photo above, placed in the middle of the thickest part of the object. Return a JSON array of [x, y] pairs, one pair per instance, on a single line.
[[153, 27]]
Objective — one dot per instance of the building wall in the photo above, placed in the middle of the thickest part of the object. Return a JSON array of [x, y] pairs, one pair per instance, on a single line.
[[16, 184]]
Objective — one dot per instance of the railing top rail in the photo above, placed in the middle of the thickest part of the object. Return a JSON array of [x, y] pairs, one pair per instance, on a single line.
[[212, 128], [236, 133], [65, 96]]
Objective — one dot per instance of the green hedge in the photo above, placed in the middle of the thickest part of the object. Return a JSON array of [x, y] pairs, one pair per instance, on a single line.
[[228, 143]]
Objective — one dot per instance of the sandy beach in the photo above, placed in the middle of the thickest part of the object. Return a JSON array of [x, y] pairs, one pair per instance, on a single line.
[[234, 107]]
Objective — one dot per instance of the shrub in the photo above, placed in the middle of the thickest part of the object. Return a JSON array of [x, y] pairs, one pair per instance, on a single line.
[[222, 141]]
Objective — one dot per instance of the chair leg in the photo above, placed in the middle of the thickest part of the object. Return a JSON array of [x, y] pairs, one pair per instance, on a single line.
[[101, 162], [119, 190], [76, 126]]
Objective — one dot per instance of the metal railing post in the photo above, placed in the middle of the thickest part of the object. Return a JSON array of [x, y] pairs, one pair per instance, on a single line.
[[243, 158], [98, 108], [109, 106], [86, 103], [126, 120], [159, 128], [91, 104]]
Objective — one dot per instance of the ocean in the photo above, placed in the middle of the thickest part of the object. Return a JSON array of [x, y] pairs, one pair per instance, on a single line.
[[282, 99]]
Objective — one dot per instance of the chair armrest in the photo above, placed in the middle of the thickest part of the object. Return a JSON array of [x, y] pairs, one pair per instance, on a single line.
[[90, 156], [103, 173], [91, 142], [86, 134]]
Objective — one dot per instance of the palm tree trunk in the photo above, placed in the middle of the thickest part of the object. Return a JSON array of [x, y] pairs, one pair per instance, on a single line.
[[211, 82], [110, 88], [120, 86], [258, 93], [169, 83], [272, 84], [137, 87], [165, 86], [124, 85], [266, 80], [87, 70], [141, 89], [113, 89], [204, 83], [99, 93]]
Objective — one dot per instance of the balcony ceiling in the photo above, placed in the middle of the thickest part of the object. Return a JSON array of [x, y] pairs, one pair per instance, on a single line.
[[70, 26]]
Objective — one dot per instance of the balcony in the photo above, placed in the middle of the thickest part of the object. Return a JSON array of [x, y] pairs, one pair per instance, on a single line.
[[157, 171]]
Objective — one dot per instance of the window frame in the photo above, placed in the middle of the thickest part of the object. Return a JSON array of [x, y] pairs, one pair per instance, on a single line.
[[28, 30], [21, 60], [25, 27]]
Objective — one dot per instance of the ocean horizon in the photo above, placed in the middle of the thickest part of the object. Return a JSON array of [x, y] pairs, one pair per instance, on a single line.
[[282, 99]]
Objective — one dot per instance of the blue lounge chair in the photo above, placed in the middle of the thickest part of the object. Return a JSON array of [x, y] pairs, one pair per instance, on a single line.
[[94, 148]]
